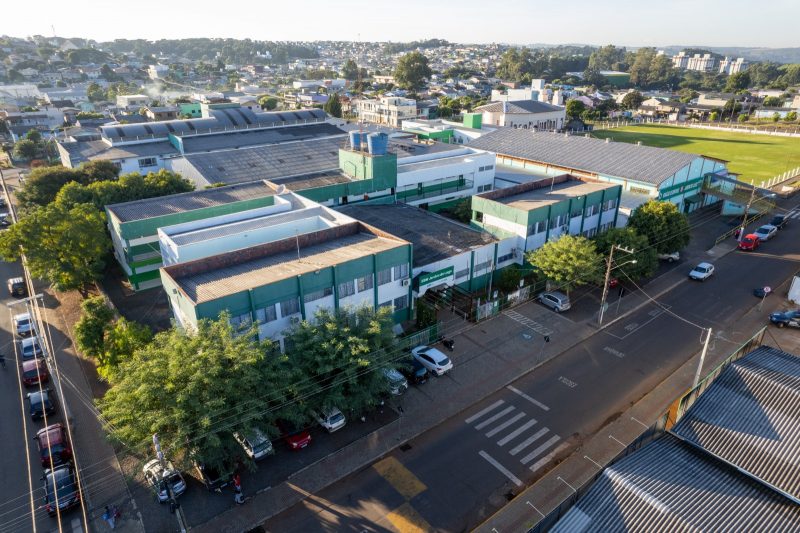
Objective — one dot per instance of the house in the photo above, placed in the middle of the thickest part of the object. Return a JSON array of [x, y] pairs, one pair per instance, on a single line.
[[157, 71], [526, 114], [132, 102], [389, 110], [162, 113]]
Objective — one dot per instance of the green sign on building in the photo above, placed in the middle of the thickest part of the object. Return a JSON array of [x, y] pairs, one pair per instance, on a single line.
[[432, 277]]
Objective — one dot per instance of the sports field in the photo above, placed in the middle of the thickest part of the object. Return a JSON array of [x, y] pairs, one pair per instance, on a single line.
[[755, 157]]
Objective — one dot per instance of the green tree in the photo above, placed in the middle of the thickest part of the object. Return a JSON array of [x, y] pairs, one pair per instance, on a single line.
[[569, 261], [713, 116], [462, 211], [342, 352], [66, 247], [122, 339], [34, 136], [95, 92], [742, 117], [90, 329], [43, 184], [412, 70], [195, 388], [632, 100], [645, 256], [607, 58], [773, 101], [666, 228], [127, 188], [776, 117], [25, 149], [350, 70], [791, 116], [737, 82], [333, 106], [509, 279], [268, 102], [575, 109]]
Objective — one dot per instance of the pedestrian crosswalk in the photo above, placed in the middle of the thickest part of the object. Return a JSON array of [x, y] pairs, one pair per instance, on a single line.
[[541, 329], [519, 434], [794, 213]]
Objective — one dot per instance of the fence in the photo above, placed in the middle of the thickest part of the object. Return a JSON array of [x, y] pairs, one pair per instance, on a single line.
[[732, 232], [780, 178], [426, 336]]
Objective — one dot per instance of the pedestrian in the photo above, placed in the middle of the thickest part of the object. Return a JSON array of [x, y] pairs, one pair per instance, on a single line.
[[110, 517], [238, 497]]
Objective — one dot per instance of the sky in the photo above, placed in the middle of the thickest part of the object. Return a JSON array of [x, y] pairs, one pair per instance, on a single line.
[[621, 22]]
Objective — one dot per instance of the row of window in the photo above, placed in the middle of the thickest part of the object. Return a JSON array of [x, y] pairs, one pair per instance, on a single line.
[[148, 162], [487, 167], [484, 188], [562, 220]]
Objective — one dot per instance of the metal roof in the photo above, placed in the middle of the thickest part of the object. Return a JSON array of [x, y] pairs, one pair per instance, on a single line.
[[750, 417], [543, 196], [250, 137], [189, 201], [519, 107], [644, 164], [670, 486], [86, 150]]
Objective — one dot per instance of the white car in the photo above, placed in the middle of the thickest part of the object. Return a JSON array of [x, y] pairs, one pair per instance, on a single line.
[[23, 324], [331, 420], [766, 232], [702, 272], [255, 444], [157, 477], [432, 359], [670, 257]]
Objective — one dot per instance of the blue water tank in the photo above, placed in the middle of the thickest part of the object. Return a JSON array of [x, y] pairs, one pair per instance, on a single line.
[[377, 143], [355, 140]]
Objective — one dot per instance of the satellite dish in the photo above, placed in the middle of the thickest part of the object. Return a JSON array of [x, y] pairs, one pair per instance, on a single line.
[[281, 189]]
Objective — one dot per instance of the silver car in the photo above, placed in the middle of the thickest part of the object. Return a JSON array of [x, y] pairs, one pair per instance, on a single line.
[[157, 477], [555, 300]]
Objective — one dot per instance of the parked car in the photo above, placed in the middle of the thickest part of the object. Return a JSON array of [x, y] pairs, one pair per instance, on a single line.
[[749, 242], [162, 479], [555, 300], [23, 324], [5, 220], [53, 444], [31, 348], [211, 478], [766, 232], [331, 419], [702, 272], [670, 257], [255, 444], [435, 361], [41, 402], [779, 221], [397, 383], [415, 372], [34, 371], [60, 480], [295, 436], [761, 293], [786, 318], [17, 287]]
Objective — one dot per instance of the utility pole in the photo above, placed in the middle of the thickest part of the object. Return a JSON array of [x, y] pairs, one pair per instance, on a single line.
[[702, 360], [173, 504], [609, 262], [746, 211]]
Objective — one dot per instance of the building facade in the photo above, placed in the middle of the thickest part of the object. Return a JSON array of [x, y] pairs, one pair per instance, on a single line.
[[525, 114]]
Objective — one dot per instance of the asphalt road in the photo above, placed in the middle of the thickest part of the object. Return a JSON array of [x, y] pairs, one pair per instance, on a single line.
[[454, 476]]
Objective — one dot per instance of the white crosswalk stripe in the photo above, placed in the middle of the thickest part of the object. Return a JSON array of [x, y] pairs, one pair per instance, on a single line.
[[517, 432], [528, 322], [538, 451], [479, 414], [491, 419], [527, 442], [504, 425]]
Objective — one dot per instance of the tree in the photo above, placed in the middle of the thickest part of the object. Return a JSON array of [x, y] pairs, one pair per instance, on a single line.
[[127, 188], [714, 115], [412, 70], [95, 92], [607, 58], [773, 101], [122, 339], [569, 261], [25, 149], [90, 329], [776, 117], [645, 256], [343, 352], [632, 100], [268, 102], [43, 184], [350, 70], [791, 116], [462, 211], [333, 106], [575, 109], [33, 135], [509, 279], [195, 388], [66, 247], [742, 117], [666, 228], [737, 82]]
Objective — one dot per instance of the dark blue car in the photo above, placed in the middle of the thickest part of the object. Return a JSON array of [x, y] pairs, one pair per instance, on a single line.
[[41, 403], [787, 318]]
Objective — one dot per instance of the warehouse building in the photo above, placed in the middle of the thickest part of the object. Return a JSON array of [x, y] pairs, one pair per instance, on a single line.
[[643, 172]]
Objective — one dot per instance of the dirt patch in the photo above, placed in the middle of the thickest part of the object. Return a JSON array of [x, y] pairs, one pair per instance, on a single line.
[[148, 307]]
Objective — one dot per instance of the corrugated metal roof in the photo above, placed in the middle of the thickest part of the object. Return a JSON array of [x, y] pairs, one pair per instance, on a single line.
[[189, 201], [670, 486], [644, 164], [255, 137], [519, 107], [750, 417]]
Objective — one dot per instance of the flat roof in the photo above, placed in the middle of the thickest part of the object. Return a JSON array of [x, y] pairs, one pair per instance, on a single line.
[[543, 196], [435, 163], [86, 150], [243, 138], [433, 236], [189, 201], [313, 180], [213, 283]]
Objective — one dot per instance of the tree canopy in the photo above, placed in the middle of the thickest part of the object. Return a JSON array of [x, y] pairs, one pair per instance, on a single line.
[[25, 149], [333, 106], [43, 184], [412, 70], [350, 70], [569, 261], [632, 100], [268, 102], [646, 257], [608, 57], [666, 228], [127, 188]]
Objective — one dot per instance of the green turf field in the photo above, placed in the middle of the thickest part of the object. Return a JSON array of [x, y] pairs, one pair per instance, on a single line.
[[755, 157]]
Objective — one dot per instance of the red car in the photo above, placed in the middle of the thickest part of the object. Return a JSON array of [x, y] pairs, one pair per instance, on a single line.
[[295, 436], [34, 372], [53, 442], [749, 242]]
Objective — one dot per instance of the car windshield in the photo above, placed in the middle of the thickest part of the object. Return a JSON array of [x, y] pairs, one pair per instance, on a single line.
[[335, 419], [701, 269], [55, 448], [23, 321], [762, 230], [32, 373], [444, 361]]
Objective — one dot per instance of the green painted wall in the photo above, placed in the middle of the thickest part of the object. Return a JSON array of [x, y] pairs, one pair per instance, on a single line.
[[473, 120], [190, 109], [363, 166]]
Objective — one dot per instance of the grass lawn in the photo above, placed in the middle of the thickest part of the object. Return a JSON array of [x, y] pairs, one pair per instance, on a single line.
[[755, 157]]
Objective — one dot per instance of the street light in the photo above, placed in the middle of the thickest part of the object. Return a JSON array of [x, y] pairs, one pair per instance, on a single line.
[[608, 275]]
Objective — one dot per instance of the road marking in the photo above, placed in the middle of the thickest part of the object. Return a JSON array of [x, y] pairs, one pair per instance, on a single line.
[[406, 519], [538, 451], [501, 468], [479, 414], [568, 382], [546, 459], [504, 425], [633, 327], [505, 440], [491, 419], [399, 477], [527, 442], [614, 352], [528, 322], [534, 402]]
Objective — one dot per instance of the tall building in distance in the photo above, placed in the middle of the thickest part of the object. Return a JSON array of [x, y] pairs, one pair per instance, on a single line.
[[708, 63]]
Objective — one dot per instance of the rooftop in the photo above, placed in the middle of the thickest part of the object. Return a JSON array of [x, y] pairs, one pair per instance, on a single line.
[[539, 193], [433, 236], [85, 150], [244, 138], [189, 201], [638, 163], [519, 107]]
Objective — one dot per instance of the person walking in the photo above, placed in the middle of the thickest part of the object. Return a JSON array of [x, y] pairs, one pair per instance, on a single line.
[[238, 497], [110, 517]]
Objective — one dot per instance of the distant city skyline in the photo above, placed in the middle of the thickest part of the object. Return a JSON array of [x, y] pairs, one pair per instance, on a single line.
[[712, 23]]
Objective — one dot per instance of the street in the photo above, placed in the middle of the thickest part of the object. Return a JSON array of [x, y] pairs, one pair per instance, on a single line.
[[457, 474]]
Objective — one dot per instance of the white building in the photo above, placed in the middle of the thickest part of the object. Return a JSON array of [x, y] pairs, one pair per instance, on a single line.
[[132, 102], [730, 65], [389, 110], [526, 114], [157, 71]]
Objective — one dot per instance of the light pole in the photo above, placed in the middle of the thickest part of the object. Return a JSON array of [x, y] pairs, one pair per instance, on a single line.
[[173, 504], [609, 262]]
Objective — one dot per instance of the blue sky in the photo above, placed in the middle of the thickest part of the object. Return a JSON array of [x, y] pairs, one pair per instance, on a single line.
[[623, 22]]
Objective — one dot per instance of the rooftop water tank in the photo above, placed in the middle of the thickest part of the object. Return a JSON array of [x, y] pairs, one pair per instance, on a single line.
[[377, 143], [355, 140]]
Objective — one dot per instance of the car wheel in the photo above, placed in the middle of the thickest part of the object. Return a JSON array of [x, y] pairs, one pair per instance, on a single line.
[[780, 324], [671, 260], [556, 309]]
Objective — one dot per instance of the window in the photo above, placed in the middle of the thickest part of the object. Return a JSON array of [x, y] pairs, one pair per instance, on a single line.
[[609, 204], [348, 288], [482, 266], [242, 321], [555, 221], [504, 258], [147, 162], [385, 304], [576, 212], [591, 210], [364, 283], [290, 307], [384, 276], [400, 271], [590, 232], [401, 302], [317, 295], [266, 314], [462, 273]]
